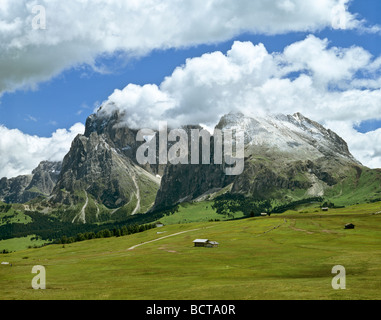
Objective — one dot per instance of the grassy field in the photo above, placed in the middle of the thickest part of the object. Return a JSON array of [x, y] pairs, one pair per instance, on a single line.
[[13, 216], [18, 244], [196, 212], [288, 256]]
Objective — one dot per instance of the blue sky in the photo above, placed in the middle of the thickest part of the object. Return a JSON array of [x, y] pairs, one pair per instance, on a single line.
[[72, 96], [54, 78]]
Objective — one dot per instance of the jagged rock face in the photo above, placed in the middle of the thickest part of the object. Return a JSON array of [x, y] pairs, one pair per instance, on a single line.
[[296, 136], [12, 190], [182, 183], [119, 137], [45, 176], [25, 188], [93, 166], [283, 154], [102, 163]]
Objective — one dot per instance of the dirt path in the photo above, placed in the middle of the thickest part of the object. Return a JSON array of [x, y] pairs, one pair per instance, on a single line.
[[292, 227], [273, 228], [165, 237]]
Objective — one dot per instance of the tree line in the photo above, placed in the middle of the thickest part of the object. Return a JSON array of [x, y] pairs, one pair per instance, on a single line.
[[51, 228], [105, 233], [229, 204]]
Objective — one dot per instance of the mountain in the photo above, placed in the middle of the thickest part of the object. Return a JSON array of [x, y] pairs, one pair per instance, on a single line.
[[100, 174], [25, 188], [287, 158]]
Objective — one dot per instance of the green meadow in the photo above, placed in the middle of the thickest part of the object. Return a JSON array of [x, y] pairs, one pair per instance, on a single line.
[[283, 257], [196, 212], [18, 244]]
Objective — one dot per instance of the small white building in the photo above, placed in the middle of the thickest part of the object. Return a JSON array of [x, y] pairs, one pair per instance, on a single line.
[[264, 214], [205, 243]]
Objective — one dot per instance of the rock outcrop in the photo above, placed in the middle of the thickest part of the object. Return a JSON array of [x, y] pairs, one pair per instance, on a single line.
[[28, 187]]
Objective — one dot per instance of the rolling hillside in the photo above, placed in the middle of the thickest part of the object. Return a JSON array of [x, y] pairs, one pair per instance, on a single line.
[[287, 256]]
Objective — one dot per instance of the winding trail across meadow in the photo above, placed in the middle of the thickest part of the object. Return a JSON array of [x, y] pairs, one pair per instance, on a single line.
[[158, 239]]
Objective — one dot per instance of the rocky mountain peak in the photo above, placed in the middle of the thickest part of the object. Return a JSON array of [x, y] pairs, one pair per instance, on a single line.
[[295, 135], [41, 182], [283, 153], [101, 176]]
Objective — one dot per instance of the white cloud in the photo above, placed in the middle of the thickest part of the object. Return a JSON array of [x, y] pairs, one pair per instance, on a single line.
[[326, 65], [77, 32], [248, 78], [365, 146], [308, 77], [21, 153]]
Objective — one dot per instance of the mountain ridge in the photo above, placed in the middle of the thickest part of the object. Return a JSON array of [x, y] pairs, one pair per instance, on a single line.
[[287, 157], [282, 152], [24, 188]]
